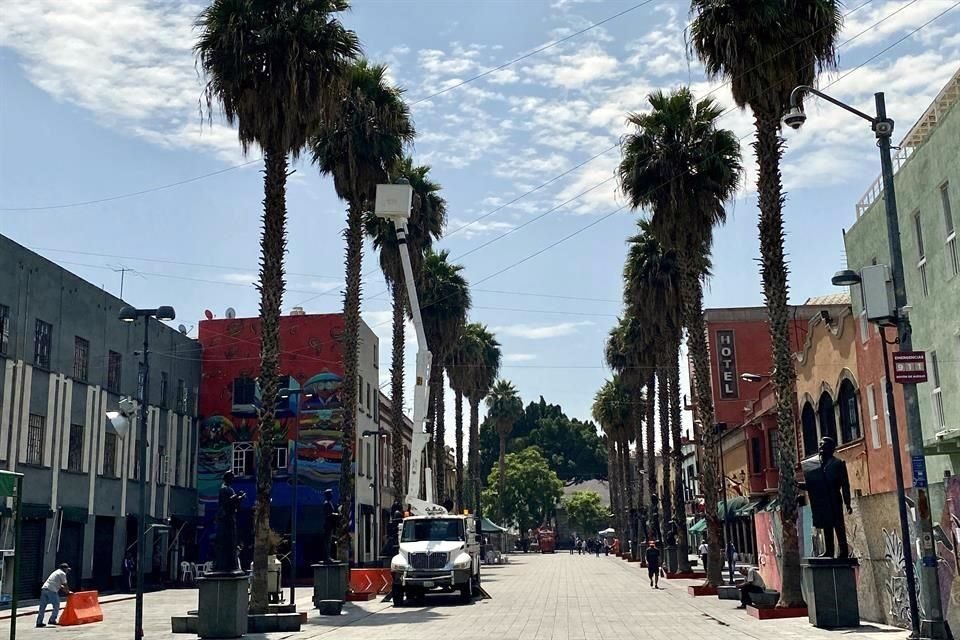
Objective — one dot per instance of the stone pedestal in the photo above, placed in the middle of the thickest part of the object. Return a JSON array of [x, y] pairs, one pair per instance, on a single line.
[[329, 582], [830, 588], [671, 559], [223, 607]]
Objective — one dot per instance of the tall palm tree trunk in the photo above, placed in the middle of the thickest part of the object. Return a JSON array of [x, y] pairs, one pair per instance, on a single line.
[[440, 448], [432, 454], [473, 455], [769, 148], [653, 508], [679, 507], [351, 352], [459, 446], [629, 506], [709, 466], [616, 483], [501, 475], [663, 407], [639, 519], [273, 245], [396, 386]]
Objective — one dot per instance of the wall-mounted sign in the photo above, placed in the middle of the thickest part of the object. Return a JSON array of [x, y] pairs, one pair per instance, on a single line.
[[727, 365], [910, 367]]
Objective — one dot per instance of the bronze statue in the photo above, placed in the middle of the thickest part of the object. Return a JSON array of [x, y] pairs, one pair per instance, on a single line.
[[828, 487], [331, 516], [225, 559]]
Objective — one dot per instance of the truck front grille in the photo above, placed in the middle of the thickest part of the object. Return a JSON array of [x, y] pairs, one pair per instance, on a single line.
[[428, 560]]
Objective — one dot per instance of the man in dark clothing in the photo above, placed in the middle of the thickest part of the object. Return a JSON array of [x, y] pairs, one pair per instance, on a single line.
[[653, 564], [828, 487], [331, 516]]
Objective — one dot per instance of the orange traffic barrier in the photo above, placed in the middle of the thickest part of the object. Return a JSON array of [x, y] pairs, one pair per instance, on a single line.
[[82, 607], [371, 581]]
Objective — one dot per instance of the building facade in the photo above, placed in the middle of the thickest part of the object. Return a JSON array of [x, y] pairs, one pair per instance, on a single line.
[[65, 360]]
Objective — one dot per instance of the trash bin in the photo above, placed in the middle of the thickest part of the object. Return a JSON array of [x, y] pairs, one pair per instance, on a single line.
[[273, 578]]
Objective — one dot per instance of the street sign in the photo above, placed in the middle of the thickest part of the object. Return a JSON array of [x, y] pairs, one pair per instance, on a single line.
[[919, 466], [910, 367]]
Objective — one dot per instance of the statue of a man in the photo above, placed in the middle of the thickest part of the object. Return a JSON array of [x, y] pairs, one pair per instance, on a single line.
[[225, 544], [828, 487], [331, 516]]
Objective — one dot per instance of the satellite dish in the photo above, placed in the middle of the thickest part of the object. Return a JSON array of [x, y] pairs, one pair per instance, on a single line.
[[231, 313], [182, 329], [208, 314]]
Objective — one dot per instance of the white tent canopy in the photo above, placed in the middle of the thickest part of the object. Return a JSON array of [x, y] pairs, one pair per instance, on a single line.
[[607, 532]]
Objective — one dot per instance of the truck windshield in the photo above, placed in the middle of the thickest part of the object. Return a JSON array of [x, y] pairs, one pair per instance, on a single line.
[[415, 530]]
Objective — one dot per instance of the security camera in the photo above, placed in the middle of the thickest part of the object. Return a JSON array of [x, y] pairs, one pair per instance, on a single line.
[[795, 118]]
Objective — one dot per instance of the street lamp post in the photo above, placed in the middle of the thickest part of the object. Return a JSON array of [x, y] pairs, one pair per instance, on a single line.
[[380, 433], [933, 625], [130, 314], [718, 430]]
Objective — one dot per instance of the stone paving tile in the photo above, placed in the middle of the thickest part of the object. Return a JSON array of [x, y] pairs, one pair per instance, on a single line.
[[536, 597]]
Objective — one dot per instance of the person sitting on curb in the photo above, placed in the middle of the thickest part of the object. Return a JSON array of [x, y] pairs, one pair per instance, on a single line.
[[50, 594], [753, 584]]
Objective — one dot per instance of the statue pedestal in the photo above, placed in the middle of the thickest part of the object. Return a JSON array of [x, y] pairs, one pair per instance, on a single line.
[[329, 582], [830, 588], [671, 559], [223, 606]]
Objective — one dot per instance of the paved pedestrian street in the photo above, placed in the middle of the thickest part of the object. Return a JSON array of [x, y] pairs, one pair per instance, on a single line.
[[535, 597]]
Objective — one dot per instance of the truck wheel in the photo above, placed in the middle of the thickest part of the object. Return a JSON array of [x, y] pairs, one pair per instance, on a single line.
[[397, 595], [466, 591]]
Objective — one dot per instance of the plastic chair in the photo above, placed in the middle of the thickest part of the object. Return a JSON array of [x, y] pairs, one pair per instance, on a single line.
[[208, 566], [186, 569], [198, 570]]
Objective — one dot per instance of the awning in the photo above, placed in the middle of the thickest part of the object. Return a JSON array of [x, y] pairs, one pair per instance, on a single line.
[[773, 505], [31, 511], [8, 483], [699, 526], [748, 510], [734, 504], [74, 514], [487, 526]]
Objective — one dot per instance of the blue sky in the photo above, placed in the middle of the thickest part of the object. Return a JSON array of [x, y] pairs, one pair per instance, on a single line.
[[100, 99]]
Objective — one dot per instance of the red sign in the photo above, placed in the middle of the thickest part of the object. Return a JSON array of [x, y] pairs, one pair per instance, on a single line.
[[910, 367]]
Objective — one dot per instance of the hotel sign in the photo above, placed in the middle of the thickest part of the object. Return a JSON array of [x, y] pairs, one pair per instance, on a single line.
[[727, 365]]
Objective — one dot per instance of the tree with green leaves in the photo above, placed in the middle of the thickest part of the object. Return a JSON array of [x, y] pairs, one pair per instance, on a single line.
[[358, 143], [444, 302], [586, 511], [428, 217], [273, 69], [677, 134], [525, 489], [765, 48], [504, 408]]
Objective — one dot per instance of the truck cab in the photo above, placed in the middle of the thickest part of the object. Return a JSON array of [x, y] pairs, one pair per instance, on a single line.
[[438, 553]]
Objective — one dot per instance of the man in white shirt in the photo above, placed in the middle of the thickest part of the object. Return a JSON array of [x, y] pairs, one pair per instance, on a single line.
[[50, 594], [753, 584], [702, 551]]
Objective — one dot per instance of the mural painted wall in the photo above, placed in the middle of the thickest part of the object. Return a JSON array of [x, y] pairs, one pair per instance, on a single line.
[[770, 543], [311, 354]]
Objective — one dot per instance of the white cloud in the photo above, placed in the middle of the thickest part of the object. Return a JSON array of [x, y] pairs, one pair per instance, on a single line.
[[576, 70], [519, 357], [541, 331], [477, 228], [240, 278], [563, 4], [503, 76], [868, 19]]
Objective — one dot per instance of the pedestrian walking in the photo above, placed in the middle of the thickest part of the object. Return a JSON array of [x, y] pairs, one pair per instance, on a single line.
[[596, 546], [653, 564], [129, 569], [753, 584], [703, 550], [50, 594], [579, 547]]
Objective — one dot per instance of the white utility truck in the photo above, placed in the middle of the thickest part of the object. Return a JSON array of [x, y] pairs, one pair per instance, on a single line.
[[439, 551]]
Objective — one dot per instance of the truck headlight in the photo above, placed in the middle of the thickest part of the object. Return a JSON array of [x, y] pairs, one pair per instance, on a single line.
[[399, 563], [462, 562]]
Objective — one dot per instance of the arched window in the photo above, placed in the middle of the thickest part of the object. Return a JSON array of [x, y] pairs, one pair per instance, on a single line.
[[849, 412], [828, 420], [808, 418]]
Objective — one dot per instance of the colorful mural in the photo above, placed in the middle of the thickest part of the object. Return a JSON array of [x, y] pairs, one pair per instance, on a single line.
[[769, 543]]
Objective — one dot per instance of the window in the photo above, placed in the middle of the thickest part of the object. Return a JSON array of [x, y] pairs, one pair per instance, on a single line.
[[376, 409], [280, 458], [35, 433], [164, 384], [181, 396], [921, 255], [81, 359], [936, 394], [874, 418], [163, 473], [4, 328], [360, 393], [114, 371], [369, 403], [772, 435], [370, 460], [75, 456], [242, 459], [849, 412], [360, 460], [41, 344], [176, 466], [828, 420], [808, 421], [864, 327], [953, 255], [886, 409], [110, 455]]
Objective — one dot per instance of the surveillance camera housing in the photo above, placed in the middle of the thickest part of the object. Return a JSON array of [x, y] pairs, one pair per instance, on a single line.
[[795, 118]]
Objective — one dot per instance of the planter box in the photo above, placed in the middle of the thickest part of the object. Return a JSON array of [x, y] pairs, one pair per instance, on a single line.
[[773, 613], [701, 590]]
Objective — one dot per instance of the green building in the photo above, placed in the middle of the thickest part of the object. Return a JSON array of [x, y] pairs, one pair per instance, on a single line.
[[928, 201]]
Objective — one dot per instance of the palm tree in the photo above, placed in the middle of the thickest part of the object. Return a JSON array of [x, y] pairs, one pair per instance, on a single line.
[[273, 69], [504, 408], [362, 138], [686, 206], [612, 409], [483, 374], [445, 300], [428, 217], [766, 48]]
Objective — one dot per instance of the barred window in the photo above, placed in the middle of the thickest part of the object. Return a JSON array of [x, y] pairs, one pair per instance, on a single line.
[[110, 455], [4, 328], [42, 336], [164, 383], [114, 371], [81, 359], [36, 428], [75, 454]]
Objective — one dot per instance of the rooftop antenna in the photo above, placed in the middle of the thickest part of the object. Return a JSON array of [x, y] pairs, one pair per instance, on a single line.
[[122, 270]]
